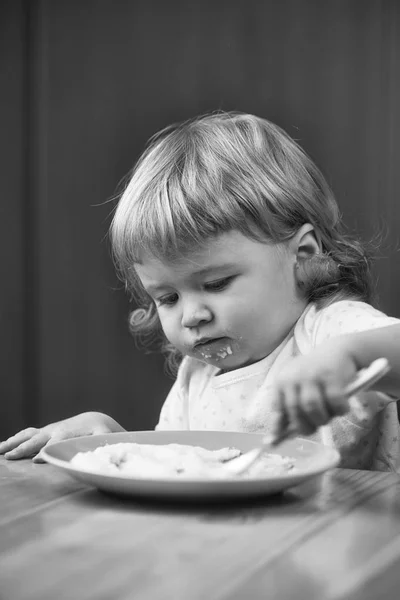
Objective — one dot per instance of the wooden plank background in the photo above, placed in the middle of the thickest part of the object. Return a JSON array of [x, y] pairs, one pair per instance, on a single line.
[[83, 86]]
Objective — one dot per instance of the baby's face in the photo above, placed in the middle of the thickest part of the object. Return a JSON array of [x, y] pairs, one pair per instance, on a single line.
[[230, 303]]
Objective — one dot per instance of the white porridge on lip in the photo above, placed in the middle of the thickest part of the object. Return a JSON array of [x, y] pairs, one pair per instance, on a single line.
[[178, 461]]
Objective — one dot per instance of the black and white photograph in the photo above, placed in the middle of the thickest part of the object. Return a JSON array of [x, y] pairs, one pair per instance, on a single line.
[[200, 301]]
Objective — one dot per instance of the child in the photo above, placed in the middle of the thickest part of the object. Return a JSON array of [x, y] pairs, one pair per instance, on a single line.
[[231, 241]]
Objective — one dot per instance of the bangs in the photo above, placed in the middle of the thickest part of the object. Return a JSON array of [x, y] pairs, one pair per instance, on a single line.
[[210, 175], [177, 213], [177, 198]]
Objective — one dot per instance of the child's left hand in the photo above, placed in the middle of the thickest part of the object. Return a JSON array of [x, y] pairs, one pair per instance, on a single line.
[[309, 391]]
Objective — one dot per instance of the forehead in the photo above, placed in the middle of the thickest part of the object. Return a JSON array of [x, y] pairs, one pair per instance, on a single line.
[[219, 253]]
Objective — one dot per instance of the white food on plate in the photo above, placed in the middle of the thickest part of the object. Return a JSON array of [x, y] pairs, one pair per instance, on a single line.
[[178, 461]]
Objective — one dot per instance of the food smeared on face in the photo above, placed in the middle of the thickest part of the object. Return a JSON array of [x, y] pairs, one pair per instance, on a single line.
[[214, 350]]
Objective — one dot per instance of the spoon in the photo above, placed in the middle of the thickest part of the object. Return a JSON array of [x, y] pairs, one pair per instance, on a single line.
[[363, 380]]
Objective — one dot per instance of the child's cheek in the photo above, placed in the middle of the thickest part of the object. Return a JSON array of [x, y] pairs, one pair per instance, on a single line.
[[170, 328]]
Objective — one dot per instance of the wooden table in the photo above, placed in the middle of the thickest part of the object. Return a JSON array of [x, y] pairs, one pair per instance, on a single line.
[[336, 537]]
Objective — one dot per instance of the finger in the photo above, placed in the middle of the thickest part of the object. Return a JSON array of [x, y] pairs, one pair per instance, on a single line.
[[17, 439], [313, 404], [298, 419], [279, 419], [337, 403], [39, 458], [28, 448], [64, 434]]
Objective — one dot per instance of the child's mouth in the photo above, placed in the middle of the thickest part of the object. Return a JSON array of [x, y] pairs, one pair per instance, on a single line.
[[216, 348]]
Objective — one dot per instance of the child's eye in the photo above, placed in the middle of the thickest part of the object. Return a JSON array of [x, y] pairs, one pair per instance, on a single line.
[[167, 300], [219, 284]]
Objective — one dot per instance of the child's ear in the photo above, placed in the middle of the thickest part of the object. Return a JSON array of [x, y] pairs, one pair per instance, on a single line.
[[305, 243]]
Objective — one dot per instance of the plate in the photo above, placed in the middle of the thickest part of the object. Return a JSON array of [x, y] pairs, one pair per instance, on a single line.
[[311, 459]]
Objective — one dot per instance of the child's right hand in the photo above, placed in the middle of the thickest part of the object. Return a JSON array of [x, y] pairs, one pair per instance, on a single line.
[[29, 442]]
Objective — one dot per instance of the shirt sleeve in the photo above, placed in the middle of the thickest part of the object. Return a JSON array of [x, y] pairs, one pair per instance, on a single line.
[[346, 317]]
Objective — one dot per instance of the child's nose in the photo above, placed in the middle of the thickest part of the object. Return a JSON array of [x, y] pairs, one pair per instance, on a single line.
[[195, 314]]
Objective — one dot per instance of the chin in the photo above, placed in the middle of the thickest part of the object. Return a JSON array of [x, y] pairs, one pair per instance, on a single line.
[[245, 362], [224, 359], [228, 364]]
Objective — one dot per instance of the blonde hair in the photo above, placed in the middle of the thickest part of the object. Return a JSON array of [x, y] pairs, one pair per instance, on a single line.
[[231, 171]]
